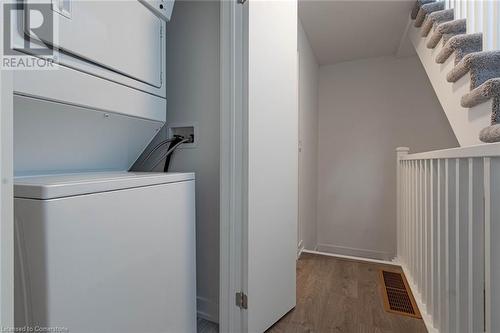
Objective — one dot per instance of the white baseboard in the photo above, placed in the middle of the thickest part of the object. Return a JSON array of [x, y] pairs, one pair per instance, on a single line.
[[354, 252], [207, 309], [426, 317], [363, 259]]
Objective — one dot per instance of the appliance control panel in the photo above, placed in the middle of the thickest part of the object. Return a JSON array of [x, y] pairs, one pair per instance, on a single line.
[[161, 8]]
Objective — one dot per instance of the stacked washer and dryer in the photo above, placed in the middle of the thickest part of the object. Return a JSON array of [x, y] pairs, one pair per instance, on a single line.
[[98, 248]]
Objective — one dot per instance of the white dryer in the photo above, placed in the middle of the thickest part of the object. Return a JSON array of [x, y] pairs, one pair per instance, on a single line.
[[106, 252]]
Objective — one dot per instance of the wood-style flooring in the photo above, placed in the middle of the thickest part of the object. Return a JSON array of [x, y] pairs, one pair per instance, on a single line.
[[339, 295]]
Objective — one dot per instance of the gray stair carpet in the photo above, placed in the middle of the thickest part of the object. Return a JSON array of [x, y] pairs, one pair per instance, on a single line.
[[490, 134], [484, 69], [435, 18], [460, 45], [416, 7], [445, 31], [482, 66], [426, 10], [488, 90]]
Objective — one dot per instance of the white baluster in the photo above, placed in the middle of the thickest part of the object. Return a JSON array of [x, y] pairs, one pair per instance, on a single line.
[[488, 21], [415, 235], [422, 230], [406, 203], [461, 259], [470, 14], [414, 221], [464, 9], [458, 8], [492, 245], [470, 247], [450, 245], [487, 246], [425, 242], [441, 244], [496, 24], [407, 208], [432, 205], [456, 249], [419, 225], [475, 304]]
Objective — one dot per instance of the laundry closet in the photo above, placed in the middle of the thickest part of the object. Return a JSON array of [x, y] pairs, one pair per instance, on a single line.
[[155, 165], [114, 219]]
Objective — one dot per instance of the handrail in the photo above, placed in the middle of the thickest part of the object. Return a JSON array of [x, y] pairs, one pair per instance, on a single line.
[[482, 150]]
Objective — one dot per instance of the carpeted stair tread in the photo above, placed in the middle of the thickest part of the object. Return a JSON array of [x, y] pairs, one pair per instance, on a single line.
[[483, 93], [482, 66], [446, 37], [416, 7], [489, 89], [490, 134], [447, 30], [435, 18], [426, 10], [461, 45]]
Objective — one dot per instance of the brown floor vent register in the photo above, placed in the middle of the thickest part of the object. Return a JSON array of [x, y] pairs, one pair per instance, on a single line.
[[397, 295]]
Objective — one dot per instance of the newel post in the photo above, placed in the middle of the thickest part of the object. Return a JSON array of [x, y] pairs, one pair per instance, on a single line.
[[400, 153]]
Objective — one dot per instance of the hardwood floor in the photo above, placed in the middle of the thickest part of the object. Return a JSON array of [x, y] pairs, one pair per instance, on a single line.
[[339, 295]]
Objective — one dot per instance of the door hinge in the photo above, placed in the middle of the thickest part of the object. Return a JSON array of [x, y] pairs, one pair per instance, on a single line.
[[242, 300]]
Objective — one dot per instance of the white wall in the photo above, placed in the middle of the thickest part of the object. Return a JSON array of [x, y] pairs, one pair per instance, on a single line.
[[308, 141], [367, 108], [193, 97]]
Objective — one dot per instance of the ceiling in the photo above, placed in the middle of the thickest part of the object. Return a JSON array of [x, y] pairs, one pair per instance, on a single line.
[[349, 30]]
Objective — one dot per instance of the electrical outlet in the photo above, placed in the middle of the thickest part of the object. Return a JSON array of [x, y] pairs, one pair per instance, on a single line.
[[185, 130]]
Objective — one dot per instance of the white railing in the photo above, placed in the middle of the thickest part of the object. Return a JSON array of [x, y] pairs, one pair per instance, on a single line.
[[449, 235], [482, 16]]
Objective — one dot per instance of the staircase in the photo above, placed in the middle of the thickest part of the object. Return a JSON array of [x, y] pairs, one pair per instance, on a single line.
[[448, 213], [458, 45]]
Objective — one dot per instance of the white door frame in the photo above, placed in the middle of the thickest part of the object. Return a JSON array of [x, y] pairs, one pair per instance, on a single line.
[[6, 194], [233, 147], [7, 202]]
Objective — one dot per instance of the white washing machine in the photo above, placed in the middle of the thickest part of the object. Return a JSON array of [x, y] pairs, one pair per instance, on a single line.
[[106, 252]]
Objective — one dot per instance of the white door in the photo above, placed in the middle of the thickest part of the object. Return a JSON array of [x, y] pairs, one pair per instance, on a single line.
[[272, 162]]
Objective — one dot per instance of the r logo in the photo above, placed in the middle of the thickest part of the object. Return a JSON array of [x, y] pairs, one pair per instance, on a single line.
[[38, 29]]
